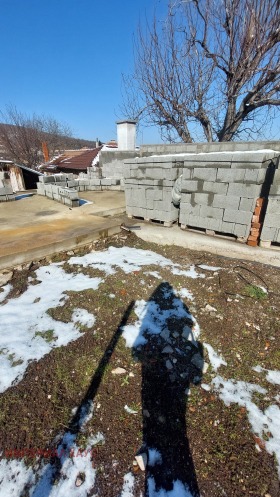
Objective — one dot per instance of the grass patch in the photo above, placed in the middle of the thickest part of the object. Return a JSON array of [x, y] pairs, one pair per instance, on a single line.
[[255, 292], [47, 335]]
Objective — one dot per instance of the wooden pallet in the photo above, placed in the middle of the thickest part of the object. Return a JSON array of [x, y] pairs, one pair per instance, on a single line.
[[218, 234], [166, 224]]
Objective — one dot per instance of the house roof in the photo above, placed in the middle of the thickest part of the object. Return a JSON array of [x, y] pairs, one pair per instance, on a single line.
[[77, 162]]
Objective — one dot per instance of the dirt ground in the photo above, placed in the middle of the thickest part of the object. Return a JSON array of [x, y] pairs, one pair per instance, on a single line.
[[208, 444]]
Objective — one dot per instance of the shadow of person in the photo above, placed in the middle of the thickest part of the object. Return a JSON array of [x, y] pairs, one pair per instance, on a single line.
[[171, 360]]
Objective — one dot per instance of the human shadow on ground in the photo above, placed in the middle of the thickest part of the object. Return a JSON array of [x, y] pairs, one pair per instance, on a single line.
[[172, 360]]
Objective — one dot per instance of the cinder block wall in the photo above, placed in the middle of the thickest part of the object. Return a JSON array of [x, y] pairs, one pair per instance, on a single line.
[[196, 148], [148, 188], [112, 162], [271, 226], [220, 190]]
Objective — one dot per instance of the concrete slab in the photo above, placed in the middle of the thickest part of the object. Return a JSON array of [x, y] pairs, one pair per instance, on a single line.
[[206, 243], [34, 227]]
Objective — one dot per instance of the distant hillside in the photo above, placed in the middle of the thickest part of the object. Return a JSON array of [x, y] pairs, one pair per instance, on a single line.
[[60, 143]]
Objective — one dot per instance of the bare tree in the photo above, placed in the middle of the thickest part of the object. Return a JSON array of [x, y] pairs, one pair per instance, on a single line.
[[22, 136], [210, 69]]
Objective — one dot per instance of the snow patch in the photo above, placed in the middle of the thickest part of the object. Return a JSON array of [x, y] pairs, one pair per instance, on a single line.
[[28, 332], [215, 359], [266, 424], [128, 485], [272, 376], [83, 317], [7, 289], [179, 490]]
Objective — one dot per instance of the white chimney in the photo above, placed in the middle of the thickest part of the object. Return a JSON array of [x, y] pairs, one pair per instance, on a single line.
[[126, 132]]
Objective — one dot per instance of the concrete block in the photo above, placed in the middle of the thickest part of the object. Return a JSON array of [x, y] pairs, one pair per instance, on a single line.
[[186, 198], [200, 198], [84, 182], [230, 175], [71, 183], [275, 189], [6, 190], [189, 186], [226, 201], [187, 172], [237, 216], [268, 233], [154, 194], [47, 179], [2, 198], [272, 221], [211, 187], [247, 204], [55, 189], [211, 212], [255, 176], [273, 206], [242, 230], [241, 190], [205, 173], [106, 182], [94, 182], [227, 227], [187, 209]]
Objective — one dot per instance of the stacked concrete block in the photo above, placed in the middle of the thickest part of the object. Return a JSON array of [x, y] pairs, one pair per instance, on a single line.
[[59, 188], [6, 194], [148, 188], [220, 190], [271, 226]]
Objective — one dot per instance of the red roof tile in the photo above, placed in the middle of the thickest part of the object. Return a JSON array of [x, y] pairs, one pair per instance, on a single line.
[[79, 162]]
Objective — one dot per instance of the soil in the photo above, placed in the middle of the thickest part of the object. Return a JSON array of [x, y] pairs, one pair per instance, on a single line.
[[201, 436]]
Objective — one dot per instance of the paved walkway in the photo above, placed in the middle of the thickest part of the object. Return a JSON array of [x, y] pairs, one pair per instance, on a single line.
[[205, 243], [34, 227]]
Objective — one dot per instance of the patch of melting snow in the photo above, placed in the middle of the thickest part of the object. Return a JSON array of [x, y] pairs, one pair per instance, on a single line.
[[155, 274], [272, 376], [152, 321], [83, 317], [209, 268], [129, 260], [154, 457], [265, 424], [179, 490], [215, 359], [184, 293], [128, 485], [28, 332], [15, 476]]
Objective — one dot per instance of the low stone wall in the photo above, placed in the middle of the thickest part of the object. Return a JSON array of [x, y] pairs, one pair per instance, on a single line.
[[148, 188]]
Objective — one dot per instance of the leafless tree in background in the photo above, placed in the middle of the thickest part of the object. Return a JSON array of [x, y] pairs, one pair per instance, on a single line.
[[212, 68], [22, 136]]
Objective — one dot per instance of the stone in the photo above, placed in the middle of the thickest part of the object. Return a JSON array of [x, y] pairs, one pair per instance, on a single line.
[[169, 364], [142, 460], [167, 350], [197, 361], [119, 371]]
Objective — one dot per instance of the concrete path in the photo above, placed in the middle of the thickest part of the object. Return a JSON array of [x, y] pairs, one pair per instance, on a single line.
[[205, 243], [34, 227]]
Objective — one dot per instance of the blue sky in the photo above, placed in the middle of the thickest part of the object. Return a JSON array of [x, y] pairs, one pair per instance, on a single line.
[[64, 58]]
